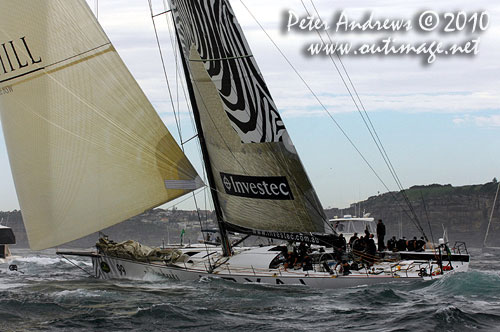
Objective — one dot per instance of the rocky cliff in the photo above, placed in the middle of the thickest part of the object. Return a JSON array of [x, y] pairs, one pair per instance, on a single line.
[[463, 211]]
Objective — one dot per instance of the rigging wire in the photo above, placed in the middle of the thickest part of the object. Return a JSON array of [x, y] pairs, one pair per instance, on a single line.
[[96, 9], [165, 70], [81, 268], [177, 121], [367, 121], [180, 81], [427, 216], [491, 216], [416, 223]]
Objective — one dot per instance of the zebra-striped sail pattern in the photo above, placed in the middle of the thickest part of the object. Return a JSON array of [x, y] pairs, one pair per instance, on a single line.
[[213, 30]]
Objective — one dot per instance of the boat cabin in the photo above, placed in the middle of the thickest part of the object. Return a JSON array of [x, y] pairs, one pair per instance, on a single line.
[[348, 225]]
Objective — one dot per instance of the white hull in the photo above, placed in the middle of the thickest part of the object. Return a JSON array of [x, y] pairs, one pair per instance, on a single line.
[[106, 267]]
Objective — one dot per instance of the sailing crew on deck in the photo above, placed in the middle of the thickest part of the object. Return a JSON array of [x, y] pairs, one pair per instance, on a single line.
[[420, 246], [367, 233], [391, 244], [371, 249], [291, 256], [307, 265], [302, 250], [380, 235], [345, 268], [412, 244], [353, 239], [401, 244], [359, 244], [342, 242]]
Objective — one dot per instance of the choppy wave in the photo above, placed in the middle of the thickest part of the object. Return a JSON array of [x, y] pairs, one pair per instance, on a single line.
[[54, 295]]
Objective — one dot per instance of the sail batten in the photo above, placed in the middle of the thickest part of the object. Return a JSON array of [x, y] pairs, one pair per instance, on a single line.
[[87, 150]]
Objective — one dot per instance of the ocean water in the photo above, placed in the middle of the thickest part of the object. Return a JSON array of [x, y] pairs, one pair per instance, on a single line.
[[51, 294]]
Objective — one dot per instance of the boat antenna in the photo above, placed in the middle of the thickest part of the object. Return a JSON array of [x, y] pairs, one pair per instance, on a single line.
[[491, 215]]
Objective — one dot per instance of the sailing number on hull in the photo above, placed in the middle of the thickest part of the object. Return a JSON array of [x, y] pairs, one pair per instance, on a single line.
[[262, 187], [121, 269]]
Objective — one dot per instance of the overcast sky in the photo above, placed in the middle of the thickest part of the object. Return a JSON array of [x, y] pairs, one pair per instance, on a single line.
[[439, 123]]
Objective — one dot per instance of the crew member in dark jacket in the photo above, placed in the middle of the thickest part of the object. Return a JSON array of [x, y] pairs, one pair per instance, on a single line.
[[391, 244], [420, 244], [401, 244], [371, 249], [352, 240], [380, 235]]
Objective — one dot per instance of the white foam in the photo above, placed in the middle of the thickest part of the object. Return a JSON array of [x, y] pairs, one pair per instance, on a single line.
[[4, 286], [78, 293], [38, 260]]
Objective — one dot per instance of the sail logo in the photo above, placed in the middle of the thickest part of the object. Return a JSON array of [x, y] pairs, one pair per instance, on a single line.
[[16, 55], [227, 183], [261, 187]]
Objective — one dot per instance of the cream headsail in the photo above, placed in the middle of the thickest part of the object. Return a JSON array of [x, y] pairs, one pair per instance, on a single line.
[[86, 148]]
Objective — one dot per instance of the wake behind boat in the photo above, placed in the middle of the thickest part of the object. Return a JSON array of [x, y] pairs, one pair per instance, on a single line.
[[87, 151]]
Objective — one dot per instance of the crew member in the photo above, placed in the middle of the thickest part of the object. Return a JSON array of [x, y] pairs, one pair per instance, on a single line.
[[420, 246], [391, 244], [380, 234], [352, 239], [401, 244]]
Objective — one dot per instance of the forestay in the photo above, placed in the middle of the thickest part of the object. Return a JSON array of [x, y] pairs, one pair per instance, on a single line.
[[86, 148]]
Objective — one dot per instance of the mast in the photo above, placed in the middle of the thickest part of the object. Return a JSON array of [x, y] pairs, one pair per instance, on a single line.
[[226, 245], [491, 216]]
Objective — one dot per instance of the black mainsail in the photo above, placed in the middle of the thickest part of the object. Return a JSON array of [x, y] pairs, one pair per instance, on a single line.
[[258, 183]]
